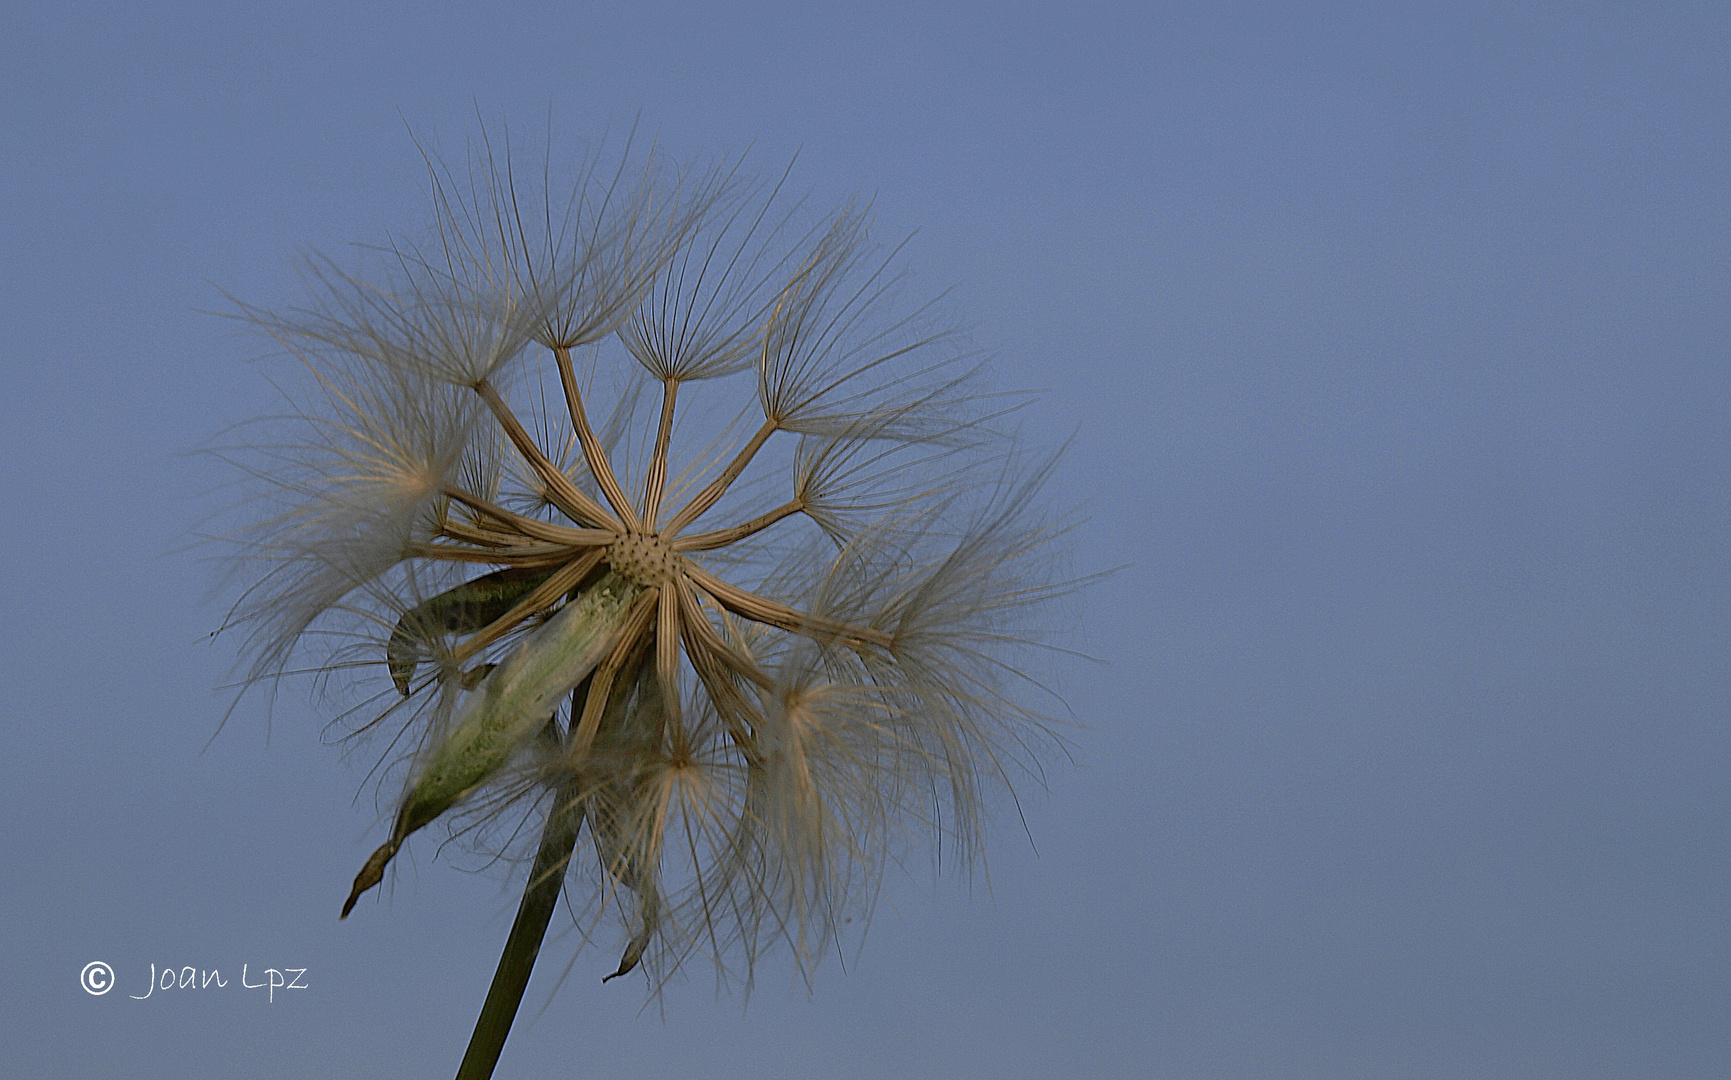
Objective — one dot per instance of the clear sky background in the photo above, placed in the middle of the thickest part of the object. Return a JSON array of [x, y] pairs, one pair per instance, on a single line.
[[1394, 339]]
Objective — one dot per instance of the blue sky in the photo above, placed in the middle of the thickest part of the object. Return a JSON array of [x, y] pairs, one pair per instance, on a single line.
[[1393, 341]]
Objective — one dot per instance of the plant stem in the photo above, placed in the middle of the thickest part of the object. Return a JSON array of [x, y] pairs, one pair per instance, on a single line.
[[511, 978]]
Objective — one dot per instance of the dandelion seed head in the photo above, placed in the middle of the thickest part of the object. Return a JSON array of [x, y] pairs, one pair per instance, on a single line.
[[653, 499]]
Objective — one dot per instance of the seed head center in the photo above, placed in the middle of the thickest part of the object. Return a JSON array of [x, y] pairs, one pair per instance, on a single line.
[[643, 558]]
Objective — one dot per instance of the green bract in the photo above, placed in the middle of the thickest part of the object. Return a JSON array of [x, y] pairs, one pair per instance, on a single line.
[[518, 697], [513, 702], [464, 609]]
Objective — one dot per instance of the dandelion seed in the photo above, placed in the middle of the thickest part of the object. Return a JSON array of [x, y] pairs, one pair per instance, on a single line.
[[750, 635]]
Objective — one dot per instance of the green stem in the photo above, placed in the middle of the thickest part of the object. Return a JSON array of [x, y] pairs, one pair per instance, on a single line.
[[558, 840]]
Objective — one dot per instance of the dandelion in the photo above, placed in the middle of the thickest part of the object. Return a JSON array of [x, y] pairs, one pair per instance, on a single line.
[[648, 506]]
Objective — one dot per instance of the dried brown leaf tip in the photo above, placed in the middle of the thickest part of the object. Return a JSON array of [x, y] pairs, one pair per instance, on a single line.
[[650, 500]]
